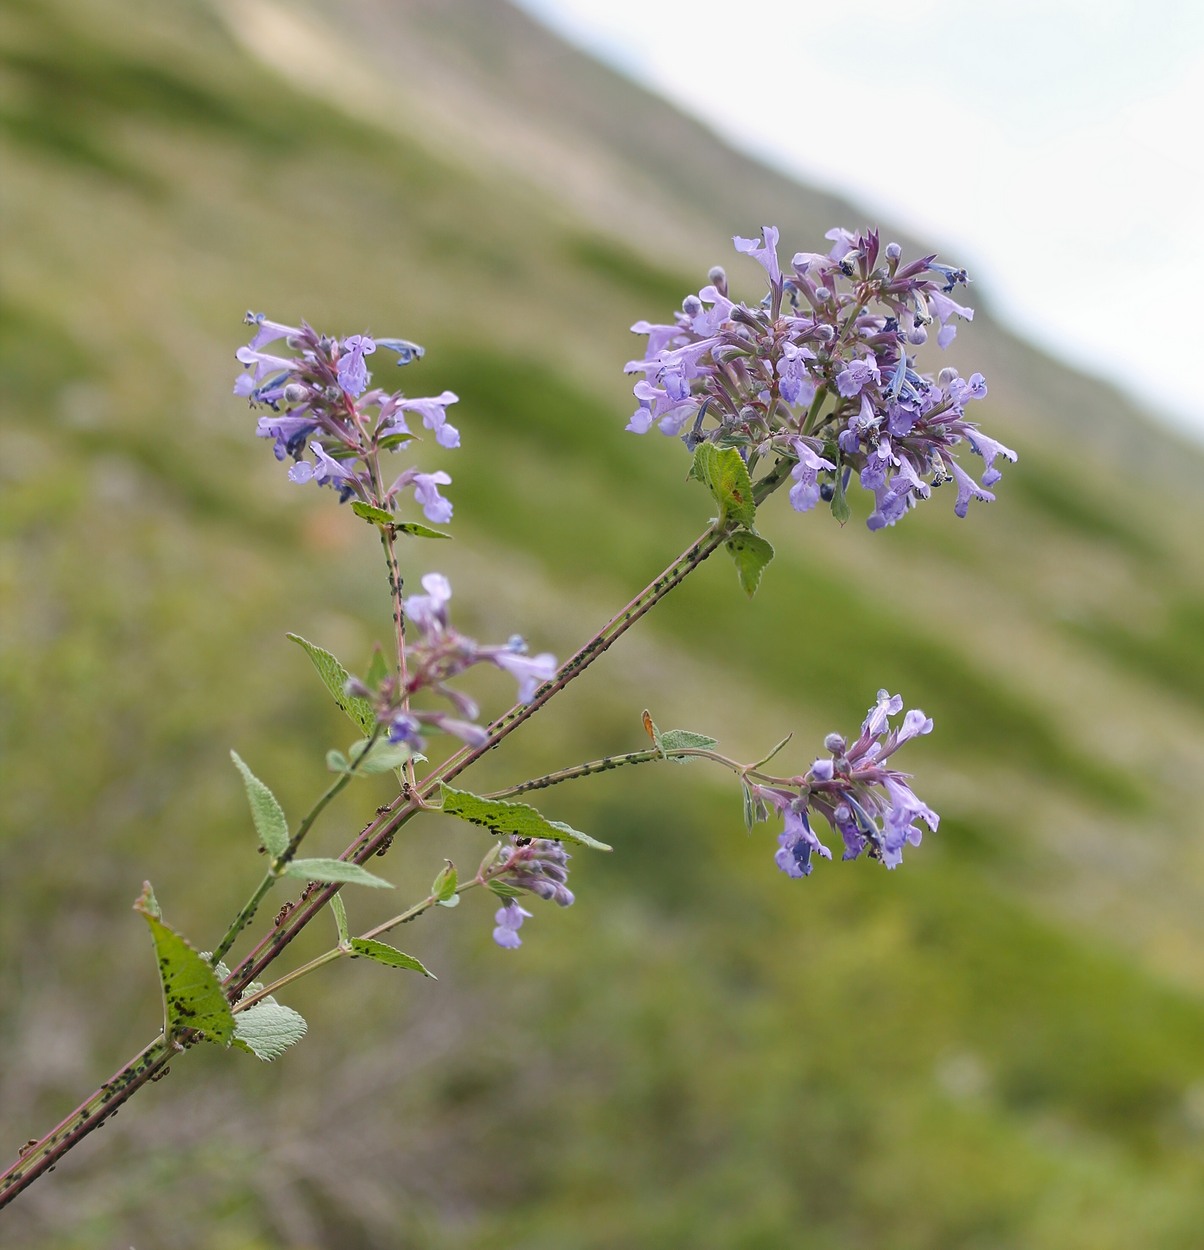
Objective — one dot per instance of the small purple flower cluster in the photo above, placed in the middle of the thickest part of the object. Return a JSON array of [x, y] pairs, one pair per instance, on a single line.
[[836, 332], [870, 805], [537, 866], [320, 402], [436, 653]]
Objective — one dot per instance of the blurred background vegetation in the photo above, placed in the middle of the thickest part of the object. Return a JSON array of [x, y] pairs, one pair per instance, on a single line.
[[1000, 1045]]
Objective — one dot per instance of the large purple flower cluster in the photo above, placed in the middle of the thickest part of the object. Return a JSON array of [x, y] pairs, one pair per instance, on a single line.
[[537, 866], [823, 373], [321, 403], [868, 803]]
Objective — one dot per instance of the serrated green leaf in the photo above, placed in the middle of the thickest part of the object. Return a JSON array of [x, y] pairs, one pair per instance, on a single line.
[[266, 812], [192, 994], [268, 1028], [417, 530], [340, 919], [684, 739], [723, 472], [519, 819], [334, 678], [378, 516], [752, 554], [502, 890], [378, 669], [383, 953], [444, 885], [330, 871]]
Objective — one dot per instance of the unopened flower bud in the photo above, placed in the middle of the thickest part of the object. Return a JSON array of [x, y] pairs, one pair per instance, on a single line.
[[295, 393], [834, 743], [893, 251], [717, 277]]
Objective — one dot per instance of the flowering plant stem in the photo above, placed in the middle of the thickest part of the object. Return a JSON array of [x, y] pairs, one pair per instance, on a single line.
[[151, 1063]]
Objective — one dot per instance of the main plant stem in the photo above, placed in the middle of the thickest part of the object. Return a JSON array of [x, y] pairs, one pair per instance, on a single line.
[[152, 1062]]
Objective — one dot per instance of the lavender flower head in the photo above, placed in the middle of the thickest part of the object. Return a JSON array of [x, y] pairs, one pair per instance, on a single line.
[[867, 802], [320, 403], [437, 652], [536, 866], [823, 373]]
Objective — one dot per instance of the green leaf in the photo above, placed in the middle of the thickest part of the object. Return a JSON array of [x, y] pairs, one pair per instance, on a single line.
[[684, 739], [444, 885], [334, 678], [337, 762], [340, 919], [378, 516], [378, 669], [840, 504], [331, 871], [416, 530], [382, 756], [519, 819], [192, 994], [383, 953], [752, 554], [393, 440], [754, 809], [762, 763], [502, 890], [266, 812], [724, 473], [267, 1029]]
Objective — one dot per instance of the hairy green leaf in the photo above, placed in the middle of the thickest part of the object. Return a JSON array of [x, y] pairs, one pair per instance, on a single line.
[[334, 678], [333, 870], [723, 472], [266, 812], [840, 503], [383, 953], [752, 554], [192, 994], [519, 819], [444, 885], [340, 919], [267, 1029], [378, 516], [684, 739], [417, 530]]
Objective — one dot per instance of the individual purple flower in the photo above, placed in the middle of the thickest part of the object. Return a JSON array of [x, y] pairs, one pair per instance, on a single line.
[[764, 253], [529, 671], [352, 372], [429, 611], [426, 492], [804, 494], [434, 416], [508, 919], [856, 374]]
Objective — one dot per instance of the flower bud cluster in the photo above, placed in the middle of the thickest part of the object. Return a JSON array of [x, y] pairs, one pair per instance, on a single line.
[[435, 653], [537, 866], [869, 804], [321, 403], [823, 373]]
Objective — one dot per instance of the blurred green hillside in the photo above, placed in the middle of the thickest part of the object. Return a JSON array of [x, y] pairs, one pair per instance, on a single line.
[[999, 1045]]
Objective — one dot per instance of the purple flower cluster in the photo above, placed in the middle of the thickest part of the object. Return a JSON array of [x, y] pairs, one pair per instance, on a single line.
[[823, 373], [321, 403], [870, 805], [537, 866], [436, 652]]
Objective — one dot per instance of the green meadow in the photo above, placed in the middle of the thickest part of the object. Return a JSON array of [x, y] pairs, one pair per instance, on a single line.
[[999, 1045]]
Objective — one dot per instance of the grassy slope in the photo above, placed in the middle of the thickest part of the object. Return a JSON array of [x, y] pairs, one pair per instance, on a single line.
[[998, 1046]]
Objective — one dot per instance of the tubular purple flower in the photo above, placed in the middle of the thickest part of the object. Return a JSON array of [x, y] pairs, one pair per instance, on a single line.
[[352, 372], [434, 416], [508, 919], [426, 492], [764, 253], [529, 671]]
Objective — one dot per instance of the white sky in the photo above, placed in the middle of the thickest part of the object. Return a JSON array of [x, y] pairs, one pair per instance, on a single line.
[[1054, 147]]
